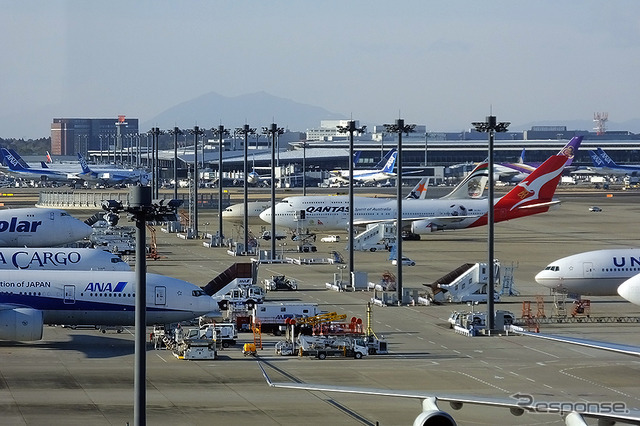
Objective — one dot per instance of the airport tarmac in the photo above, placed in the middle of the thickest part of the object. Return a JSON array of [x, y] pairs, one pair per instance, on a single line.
[[85, 377]]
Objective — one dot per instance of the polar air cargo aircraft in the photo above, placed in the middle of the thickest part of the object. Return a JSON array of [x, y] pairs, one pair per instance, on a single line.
[[592, 273], [531, 196], [35, 227], [29, 299], [432, 414], [63, 259]]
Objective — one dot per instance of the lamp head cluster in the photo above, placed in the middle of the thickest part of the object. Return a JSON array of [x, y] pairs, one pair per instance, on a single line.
[[159, 210], [400, 127], [491, 125], [220, 131], [175, 131], [196, 131], [351, 128], [156, 131], [245, 130], [273, 130]]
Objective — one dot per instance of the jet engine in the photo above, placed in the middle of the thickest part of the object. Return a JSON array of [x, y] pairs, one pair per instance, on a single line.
[[425, 226], [432, 416], [21, 324]]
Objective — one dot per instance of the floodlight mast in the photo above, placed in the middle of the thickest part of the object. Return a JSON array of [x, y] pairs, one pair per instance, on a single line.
[[196, 131], [351, 129], [399, 127], [175, 132], [490, 126], [221, 132], [274, 131], [246, 131]]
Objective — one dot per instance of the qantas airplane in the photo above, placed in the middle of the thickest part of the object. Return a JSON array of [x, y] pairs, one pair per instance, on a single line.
[[325, 213], [63, 259], [592, 273], [30, 298], [36, 227]]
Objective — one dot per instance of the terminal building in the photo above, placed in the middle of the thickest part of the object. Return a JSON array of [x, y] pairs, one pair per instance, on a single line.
[[72, 135]]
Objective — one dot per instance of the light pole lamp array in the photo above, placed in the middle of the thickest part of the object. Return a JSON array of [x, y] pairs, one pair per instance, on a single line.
[[399, 127], [490, 126], [246, 131], [155, 132], [221, 132], [351, 129], [273, 131]]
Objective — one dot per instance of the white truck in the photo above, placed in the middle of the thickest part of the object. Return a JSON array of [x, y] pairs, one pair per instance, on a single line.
[[273, 317], [195, 343], [323, 346], [243, 296], [280, 282]]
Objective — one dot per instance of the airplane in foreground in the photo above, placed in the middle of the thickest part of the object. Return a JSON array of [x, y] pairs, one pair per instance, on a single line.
[[592, 273], [432, 414], [378, 174], [112, 176], [30, 298], [15, 168], [325, 213], [40, 227]]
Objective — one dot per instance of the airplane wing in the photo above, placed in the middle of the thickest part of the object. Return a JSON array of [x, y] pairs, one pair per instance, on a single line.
[[518, 404], [595, 344]]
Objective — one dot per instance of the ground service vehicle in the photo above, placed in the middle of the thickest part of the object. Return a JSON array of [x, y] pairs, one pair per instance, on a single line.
[[324, 346]]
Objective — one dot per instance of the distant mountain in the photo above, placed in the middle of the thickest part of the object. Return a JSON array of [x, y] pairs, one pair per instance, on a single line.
[[630, 125], [257, 109]]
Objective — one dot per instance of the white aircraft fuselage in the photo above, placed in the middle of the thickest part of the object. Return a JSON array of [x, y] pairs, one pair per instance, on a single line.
[[592, 273], [29, 299], [36, 227], [62, 259]]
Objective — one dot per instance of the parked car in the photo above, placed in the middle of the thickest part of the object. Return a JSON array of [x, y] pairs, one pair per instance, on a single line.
[[330, 239], [595, 209], [405, 261]]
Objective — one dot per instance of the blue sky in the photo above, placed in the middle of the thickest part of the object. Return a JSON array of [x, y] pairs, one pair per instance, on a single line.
[[443, 64]]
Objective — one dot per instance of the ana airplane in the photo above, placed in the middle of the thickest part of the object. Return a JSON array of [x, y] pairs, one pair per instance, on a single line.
[[371, 175], [36, 227], [531, 196], [15, 168], [592, 273], [603, 164], [63, 259], [432, 414], [29, 299], [112, 176]]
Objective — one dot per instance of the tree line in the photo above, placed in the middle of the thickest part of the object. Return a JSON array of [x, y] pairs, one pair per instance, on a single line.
[[24, 147]]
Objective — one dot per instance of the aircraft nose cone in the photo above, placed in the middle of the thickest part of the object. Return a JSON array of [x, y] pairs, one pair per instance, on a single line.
[[266, 216], [544, 278], [80, 230], [630, 290]]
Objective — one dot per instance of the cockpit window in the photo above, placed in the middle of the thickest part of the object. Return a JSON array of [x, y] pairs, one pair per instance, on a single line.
[[116, 260], [198, 293], [552, 268]]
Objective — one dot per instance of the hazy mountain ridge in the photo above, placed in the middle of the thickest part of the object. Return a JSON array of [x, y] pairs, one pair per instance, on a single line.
[[256, 109]]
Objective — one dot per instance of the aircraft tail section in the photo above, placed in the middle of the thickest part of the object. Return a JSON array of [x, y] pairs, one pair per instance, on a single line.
[[569, 150], [20, 159], [608, 161], [11, 161], [535, 193], [596, 160], [471, 186], [83, 164], [391, 162], [383, 160], [419, 192]]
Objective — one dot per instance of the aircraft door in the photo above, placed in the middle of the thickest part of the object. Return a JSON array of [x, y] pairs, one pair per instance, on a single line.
[[69, 294], [587, 269], [160, 295]]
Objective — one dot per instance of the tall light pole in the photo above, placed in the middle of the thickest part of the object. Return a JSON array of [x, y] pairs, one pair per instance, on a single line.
[[304, 168], [246, 131], [196, 132], [351, 129], [221, 132], [175, 132], [400, 128], [491, 126], [273, 131]]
